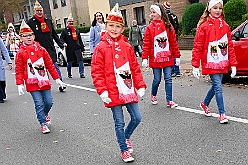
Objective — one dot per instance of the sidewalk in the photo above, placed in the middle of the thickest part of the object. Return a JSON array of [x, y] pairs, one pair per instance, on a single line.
[[185, 60]]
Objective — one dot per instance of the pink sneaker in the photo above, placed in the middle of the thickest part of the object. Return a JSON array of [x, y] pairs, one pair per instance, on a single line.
[[205, 109], [45, 129], [129, 145], [154, 100], [171, 104], [223, 119], [48, 120], [127, 157]]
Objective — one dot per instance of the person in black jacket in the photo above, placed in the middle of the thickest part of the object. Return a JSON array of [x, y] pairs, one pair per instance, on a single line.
[[45, 33], [74, 47], [175, 71]]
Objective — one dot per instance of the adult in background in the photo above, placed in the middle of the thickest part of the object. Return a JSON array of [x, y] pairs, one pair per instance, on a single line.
[[97, 28], [71, 39], [45, 33], [135, 37], [2, 70], [174, 21]]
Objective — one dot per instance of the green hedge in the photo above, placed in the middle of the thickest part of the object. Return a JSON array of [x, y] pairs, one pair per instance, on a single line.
[[82, 29], [234, 11], [191, 17]]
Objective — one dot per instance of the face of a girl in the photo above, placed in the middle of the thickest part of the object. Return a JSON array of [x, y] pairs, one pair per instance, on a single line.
[[154, 15], [114, 29], [99, 17], [216, 10]]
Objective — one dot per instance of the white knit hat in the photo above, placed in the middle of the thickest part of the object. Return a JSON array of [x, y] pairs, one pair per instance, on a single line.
[[214, 2]]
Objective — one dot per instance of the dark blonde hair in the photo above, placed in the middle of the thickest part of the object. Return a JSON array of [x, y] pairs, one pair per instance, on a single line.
[[164, 16], [205, 15]]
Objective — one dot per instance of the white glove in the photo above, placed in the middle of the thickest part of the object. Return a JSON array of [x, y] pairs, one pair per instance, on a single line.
[[20, 89], [60, 83], [145, 63], [196, 72], [105, 98], [234, 70], [177, 62], [141, 92]]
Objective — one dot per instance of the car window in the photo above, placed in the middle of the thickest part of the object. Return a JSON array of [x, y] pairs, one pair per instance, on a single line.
[[245, 31]]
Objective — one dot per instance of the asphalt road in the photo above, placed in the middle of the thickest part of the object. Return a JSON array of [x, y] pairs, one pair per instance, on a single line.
[[82, 130]]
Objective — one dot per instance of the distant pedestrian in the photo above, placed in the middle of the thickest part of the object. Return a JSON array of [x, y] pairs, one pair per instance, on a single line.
[[32, 66], [116, 75], [174, 21], [160, 47], [72, 40], [12, 40], [2, 70], [213, 50], [135, 37], [96, 30], [45, 34]]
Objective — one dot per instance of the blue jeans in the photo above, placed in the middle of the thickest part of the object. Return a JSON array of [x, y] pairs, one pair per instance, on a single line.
[[58, 70], [175, 69], [216, 90], [43, 102], [157, 72], [121, 134], [80, 68]]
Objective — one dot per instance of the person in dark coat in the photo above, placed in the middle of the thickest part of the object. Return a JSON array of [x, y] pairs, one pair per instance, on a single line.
[[74, 47], [45, 33]]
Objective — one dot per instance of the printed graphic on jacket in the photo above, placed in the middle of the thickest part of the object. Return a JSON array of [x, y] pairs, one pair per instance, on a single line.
[[125, 74], [161, 48], [217, 56], [37, 73]]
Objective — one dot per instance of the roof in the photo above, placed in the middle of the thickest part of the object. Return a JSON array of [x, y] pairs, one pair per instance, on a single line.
[[124, 2]]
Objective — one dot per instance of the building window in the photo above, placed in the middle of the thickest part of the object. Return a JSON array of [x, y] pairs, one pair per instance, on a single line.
[[63, 3], [65, 21], [140, 15], [55, 4], [123, 13]]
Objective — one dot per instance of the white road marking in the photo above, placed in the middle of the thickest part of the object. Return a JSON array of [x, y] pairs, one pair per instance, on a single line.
[[240, 120]]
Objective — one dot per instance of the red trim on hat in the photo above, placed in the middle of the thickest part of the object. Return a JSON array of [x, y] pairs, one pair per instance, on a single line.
[[26, 30], [166, 5], [115, 18]]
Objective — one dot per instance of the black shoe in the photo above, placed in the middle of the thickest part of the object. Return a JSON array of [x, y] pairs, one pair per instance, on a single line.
[[62, 89], [82, 76], [70, 76], [1, 101]]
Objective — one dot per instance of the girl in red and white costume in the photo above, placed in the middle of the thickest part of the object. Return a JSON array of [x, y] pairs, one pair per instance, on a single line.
[[213, 49], [160, 47]]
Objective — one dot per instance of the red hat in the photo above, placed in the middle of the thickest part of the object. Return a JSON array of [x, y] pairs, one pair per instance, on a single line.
[[115, 15], [25, 29], [166, 5]]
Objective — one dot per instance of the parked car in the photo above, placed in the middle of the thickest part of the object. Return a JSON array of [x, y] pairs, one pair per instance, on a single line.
[[240, 43], [62, 59]]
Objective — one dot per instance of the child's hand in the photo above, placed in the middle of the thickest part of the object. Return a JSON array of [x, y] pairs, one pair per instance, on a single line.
[[177, 62], [105, 98], [145, 63], [20, 89], [196, 72], [234, 70], [60, 83], [141, 92]]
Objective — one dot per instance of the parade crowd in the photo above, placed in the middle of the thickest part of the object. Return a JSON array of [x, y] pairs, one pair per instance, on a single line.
[[115, 71]]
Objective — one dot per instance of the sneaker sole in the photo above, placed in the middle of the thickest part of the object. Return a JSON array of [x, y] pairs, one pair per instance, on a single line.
[[45, 132], [174, 106], [128, 160], [224, 121], [154, 103]]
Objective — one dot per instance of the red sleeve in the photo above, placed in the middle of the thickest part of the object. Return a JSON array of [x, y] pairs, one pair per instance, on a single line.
[[231, 51], [147, 43], [173, 43], [19, 68], [136, 71], [49, 65], [197, 51], [97, 71]]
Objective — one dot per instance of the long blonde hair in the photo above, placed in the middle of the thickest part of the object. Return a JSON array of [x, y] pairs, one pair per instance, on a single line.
[[205, 15]]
